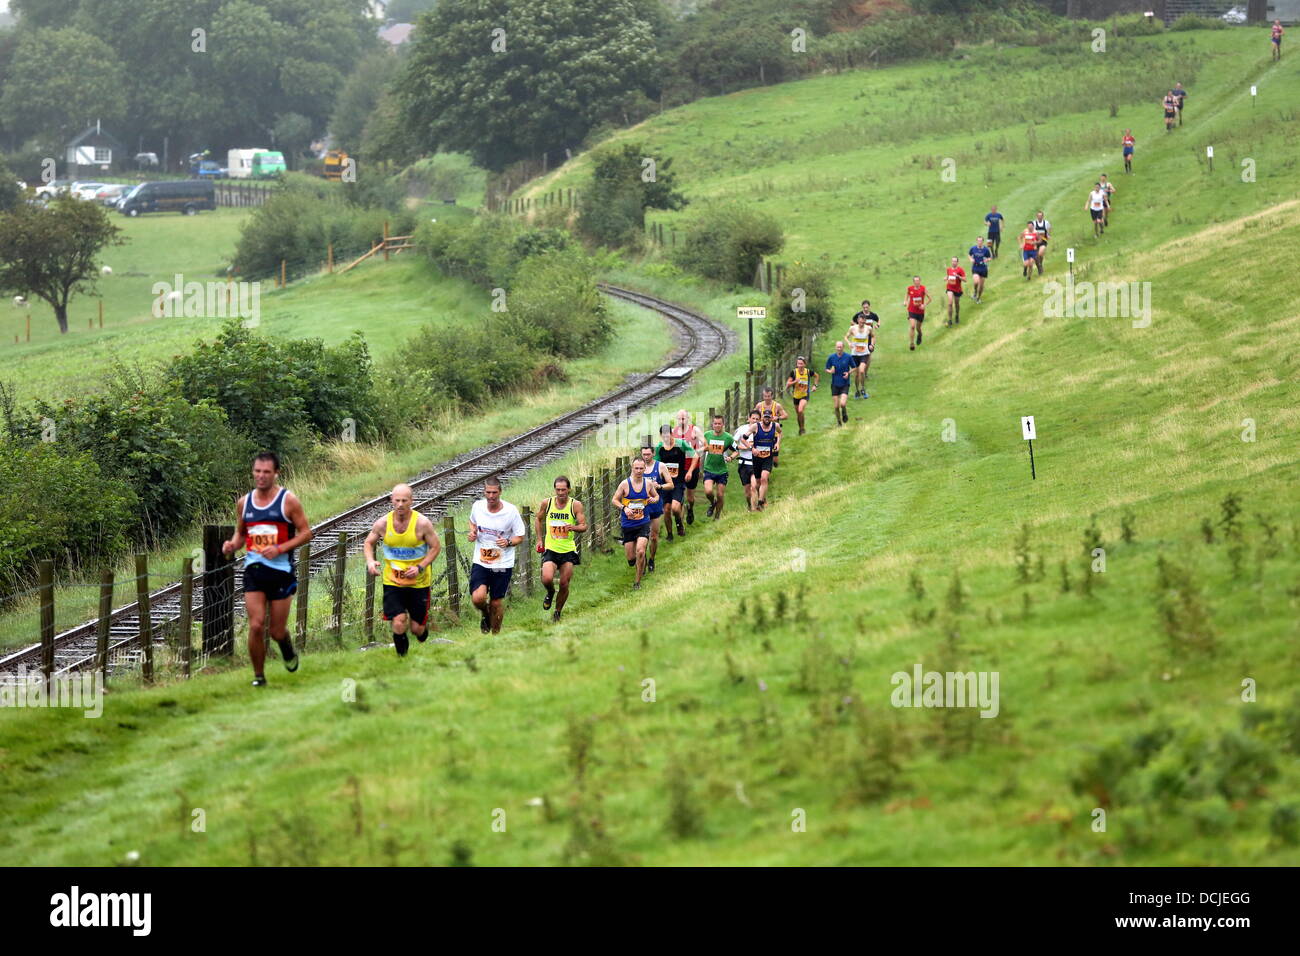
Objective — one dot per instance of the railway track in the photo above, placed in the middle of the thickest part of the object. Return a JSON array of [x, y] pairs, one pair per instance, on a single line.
[[699, 341]]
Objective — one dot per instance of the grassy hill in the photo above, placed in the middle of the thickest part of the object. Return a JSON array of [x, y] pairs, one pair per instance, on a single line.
[[773, 640]]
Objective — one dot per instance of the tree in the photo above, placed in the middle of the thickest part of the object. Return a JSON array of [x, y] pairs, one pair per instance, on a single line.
[[359, 97], [51, 252], [623, 186], [727, 242], [292, 132], [59, 79], [505, 80], [10, 193]]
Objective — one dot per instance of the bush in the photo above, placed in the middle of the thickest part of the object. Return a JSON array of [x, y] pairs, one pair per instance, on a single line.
[[727, 241], [554, 305], [786, 326], [179, 457], [282, 393], [84, 514], [465, 368], [1190, 21]]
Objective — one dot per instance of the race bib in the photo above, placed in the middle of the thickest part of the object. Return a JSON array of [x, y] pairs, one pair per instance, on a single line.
[[262, 536], [559, 529], [488, 555], [636, 507], [762, 452], [716, 447], [671, 468]]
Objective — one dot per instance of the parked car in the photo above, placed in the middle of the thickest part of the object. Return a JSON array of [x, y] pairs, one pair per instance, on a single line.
[[210, 169], [110, 194], [86, 190], [54, 188], [146, 160], [186, 196]]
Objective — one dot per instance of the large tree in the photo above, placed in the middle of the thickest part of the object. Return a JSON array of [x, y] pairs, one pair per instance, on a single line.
[[505, 80], [58, 81], [626, 180], [359, 97], [50, 252]]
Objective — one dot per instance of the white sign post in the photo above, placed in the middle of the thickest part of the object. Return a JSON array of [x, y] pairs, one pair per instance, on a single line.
[[1069, 257], [751, 312], [1252, 96], [1027, 429], [1209, 154]]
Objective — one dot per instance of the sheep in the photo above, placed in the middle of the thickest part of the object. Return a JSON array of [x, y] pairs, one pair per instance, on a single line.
[[20, 302], [106, 270]]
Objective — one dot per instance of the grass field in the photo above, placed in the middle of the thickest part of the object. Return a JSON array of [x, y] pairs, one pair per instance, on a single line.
[[1158, 686]]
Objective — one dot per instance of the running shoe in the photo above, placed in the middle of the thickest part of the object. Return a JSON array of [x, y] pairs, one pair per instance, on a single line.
[[291, 663], [546, 602], [555, 618], [485, 625], [865, 395], [690, 514], [709, 513], [259, 681], [650, 565], [636, 585]]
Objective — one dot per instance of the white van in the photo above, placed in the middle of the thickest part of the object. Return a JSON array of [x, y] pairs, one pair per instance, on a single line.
[[239, 162]]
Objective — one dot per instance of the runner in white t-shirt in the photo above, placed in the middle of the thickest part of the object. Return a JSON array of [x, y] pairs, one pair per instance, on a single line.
[[1097, 209], [744, 438], [495, 527]]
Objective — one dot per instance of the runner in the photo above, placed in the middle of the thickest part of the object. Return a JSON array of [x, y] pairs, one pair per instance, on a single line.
[[994, 219], [411, 546], [633, 495], [718, 442], [1044, 230], [670, 453], [952, 291], [1028, 249], [979, 255], [800, 388], [692, 439], [1096, 207], [496, 528], [1109, 189], [1180, 94], [744, 437], [915, 302], [1129, 145], [663, 482], [769, 403], [1170, 104], [766, 443], [1276, 39], [838, 367], [860, 336], [271, 520], [559, 519]]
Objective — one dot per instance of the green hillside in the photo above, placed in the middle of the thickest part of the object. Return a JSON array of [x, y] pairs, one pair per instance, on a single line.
[[1160, 689]]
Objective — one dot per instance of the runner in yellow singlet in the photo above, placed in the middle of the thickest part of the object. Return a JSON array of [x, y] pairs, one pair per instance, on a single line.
[[801, 384], [559, 519]]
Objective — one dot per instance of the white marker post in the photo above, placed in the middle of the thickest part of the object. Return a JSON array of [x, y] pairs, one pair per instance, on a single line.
[[1209, 154], [1252, 97], [1027, 429], [1069, 257], [751, 313]]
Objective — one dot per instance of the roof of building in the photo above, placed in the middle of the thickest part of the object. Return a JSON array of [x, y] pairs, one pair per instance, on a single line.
[[397, 33], [96, 131]]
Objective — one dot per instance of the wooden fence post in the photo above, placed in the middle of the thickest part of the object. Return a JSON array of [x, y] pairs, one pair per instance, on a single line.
[[101, 626], [142, 605], [453, 579], [45, 571], [385, 240], [304, 587], [340, 569], [186, 624], [589, 489], [601, 517], [368, 621], [329, 252], [218, 592], [529, 544]]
